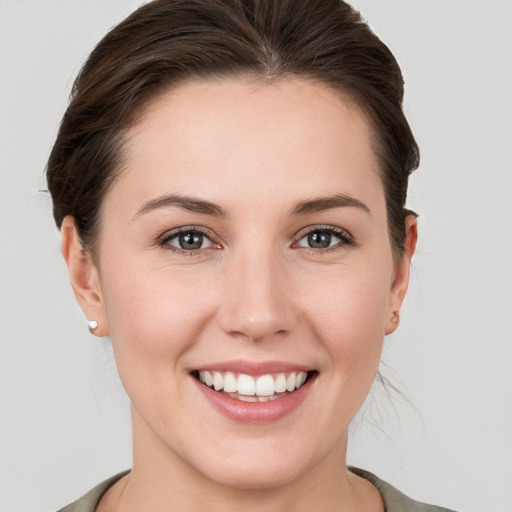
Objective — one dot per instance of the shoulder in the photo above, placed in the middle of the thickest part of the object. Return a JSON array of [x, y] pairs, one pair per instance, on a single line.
[[89, 501], [394, 500]]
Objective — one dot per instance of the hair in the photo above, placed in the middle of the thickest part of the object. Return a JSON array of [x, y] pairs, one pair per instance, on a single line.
[[167, 42]]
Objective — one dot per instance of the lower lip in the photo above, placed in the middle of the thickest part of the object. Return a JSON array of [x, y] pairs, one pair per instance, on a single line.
[[255, 412]]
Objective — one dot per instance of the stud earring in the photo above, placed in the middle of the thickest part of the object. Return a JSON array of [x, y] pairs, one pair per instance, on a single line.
[[396, 316], [92, 325]]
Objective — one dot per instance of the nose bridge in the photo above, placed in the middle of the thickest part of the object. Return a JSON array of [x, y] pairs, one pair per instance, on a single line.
[[257, 301]]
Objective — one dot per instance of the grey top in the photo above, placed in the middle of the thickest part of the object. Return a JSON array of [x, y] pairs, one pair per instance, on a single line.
[[393, 499]]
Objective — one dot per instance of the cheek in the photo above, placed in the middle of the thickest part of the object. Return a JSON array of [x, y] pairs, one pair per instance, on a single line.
[[154, 317], [348, 313], [351, 305]]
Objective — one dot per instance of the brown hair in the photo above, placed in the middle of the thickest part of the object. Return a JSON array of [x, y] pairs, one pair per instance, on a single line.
[[169, 41]]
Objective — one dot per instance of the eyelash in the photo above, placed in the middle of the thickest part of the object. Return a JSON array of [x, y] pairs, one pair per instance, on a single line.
[[165, 239], [345, 237]]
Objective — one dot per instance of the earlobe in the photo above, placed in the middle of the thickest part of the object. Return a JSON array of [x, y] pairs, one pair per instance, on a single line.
[[401, 276], [83, 275]]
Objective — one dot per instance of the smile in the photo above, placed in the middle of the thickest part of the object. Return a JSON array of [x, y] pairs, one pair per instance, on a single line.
[[254, 392], [248, 388]]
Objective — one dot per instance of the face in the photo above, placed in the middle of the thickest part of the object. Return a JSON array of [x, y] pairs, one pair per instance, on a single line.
[[244, 247]]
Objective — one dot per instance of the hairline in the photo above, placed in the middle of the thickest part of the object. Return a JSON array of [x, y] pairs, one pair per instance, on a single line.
[[351, 100]]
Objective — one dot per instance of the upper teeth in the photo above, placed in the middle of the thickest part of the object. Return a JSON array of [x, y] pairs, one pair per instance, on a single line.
[[264, 385]]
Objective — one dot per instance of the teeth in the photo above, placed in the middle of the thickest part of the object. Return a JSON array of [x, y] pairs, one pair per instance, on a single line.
[[301, 378], [280, 385], [207, 378], [265, 386], [251, 389], [245, 398], [230, 383], [290, 382], [218, 381], [246, 385]]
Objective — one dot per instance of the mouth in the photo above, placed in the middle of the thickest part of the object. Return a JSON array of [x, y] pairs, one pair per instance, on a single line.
[[254, 388]]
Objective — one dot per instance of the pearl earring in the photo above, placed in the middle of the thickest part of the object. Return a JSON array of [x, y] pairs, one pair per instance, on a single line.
[[92, 325]]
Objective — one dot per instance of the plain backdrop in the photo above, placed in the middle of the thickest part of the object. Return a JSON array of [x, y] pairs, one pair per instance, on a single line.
[[64, 418]]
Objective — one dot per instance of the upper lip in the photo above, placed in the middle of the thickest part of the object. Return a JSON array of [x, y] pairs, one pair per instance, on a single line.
[[255, 368]]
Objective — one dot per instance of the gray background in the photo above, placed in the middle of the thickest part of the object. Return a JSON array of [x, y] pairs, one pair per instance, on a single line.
[[64, 422]]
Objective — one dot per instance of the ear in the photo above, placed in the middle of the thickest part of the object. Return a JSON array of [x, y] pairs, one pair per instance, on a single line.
[[84, 276], [401, 276]]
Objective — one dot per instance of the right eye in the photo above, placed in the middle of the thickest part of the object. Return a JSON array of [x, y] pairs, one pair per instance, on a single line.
[[189, 240]]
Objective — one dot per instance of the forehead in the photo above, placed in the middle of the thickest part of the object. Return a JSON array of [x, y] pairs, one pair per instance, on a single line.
[[295, 137]]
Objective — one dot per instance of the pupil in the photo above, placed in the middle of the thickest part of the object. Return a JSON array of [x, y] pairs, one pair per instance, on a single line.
[[319, 239], [191, 240]]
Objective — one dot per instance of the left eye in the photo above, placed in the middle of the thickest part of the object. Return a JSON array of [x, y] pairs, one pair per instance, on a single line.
[[320, 239], [191, 240]]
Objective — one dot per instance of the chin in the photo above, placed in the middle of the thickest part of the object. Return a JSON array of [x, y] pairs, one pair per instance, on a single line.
[[254, 477], [260, 466]]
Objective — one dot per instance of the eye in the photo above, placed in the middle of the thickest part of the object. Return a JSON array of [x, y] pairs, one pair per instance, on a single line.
[[188, 240], [324, 238]]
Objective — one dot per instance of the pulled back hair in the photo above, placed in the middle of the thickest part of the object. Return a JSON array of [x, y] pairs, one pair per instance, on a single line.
[[167, 42]]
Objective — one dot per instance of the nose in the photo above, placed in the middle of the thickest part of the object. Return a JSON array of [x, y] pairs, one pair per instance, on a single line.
[[257, 299]]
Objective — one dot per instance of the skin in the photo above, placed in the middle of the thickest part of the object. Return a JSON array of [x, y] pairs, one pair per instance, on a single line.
[[256, 292]]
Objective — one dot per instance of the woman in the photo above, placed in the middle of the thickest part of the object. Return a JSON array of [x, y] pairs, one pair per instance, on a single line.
[[230, 182]]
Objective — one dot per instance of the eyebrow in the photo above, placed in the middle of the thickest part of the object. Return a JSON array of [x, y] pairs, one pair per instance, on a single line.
[[204, 207], [326, 203], [188, 203]]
